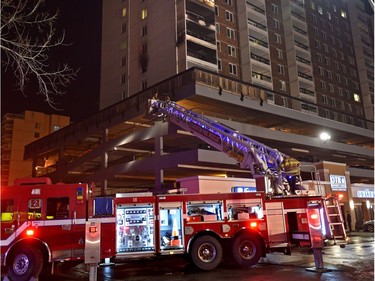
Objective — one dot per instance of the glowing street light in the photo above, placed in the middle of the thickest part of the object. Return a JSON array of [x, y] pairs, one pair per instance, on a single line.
[[325, 136]]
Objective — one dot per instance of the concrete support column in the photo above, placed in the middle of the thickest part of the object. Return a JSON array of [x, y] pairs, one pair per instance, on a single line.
[[33, 171], [159, 173], [104, 165], [350, 205]]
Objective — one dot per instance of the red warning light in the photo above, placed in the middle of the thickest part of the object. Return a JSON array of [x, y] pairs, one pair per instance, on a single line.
[[253, 224], [314, 216], [93, 229], [30, 232]]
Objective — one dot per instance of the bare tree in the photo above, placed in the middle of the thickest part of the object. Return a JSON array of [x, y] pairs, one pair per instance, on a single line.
[[27, 35]]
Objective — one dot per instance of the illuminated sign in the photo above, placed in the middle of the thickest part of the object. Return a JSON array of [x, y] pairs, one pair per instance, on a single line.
[[360, 190], [240, 189], [338, 182], [365, 193]]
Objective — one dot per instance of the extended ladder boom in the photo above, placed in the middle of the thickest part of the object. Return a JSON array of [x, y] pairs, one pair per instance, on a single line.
[[259, 158]]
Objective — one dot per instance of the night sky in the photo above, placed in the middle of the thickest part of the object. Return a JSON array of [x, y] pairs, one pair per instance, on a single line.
[[81, 21]]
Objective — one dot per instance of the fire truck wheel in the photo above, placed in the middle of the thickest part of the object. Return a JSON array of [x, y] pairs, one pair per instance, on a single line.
[[206, 252], [25, 263], [246, 250]]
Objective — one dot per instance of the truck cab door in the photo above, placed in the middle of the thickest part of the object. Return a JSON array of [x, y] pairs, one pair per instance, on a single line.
[[8, 218], [62, 222]]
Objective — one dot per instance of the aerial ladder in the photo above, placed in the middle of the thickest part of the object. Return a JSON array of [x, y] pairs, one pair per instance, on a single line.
[[281, 169], [336, 230]]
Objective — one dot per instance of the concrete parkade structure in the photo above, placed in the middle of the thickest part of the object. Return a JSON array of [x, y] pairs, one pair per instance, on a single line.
[[119, 150]]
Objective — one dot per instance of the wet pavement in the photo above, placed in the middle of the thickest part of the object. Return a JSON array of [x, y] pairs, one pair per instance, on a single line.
[[354, 262]]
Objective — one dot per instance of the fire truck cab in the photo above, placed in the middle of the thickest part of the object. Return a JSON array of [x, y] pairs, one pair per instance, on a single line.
[[41, 222]]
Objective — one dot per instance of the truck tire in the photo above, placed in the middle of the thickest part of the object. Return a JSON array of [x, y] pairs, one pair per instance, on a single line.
[[246, 250], [370, 228], [206, 252], [25, 263]]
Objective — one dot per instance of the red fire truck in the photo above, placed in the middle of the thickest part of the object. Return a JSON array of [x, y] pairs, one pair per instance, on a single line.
[[48, 223], [45, 223]]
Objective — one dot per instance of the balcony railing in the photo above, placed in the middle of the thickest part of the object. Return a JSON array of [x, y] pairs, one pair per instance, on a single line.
[[303, 75], [303, 60], [307, 92], [255, 8], [258, 41], [202, 36], [299, 30], [297, 2], [261, 76], [298, 16], [257, 24], [303, 46], [261, 59]]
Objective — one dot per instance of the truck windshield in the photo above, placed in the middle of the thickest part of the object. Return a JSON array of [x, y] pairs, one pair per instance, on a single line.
[[7, 209], [57, 208]]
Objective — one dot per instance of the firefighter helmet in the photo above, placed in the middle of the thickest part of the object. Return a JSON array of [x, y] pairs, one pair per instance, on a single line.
[[290, 166]]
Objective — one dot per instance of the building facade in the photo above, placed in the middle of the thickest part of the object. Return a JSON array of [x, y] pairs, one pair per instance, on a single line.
[[355, 199], [314, 56], [18, 131], [278, 71], [317, 51]]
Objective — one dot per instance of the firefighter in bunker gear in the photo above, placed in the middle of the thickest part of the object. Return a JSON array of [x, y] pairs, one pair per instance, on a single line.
[[290, 167]]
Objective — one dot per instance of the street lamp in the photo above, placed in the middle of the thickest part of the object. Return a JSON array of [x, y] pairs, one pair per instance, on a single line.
[[324, 136]]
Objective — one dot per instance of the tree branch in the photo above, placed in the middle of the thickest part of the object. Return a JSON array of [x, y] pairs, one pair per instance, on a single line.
[[27, 35]]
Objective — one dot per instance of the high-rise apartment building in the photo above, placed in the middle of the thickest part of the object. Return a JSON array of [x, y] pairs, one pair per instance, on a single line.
[[279, 71], [319, 52], [19, 130], [362, 25]]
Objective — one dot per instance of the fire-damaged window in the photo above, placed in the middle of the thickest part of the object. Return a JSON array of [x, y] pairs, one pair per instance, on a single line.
[[57, 208], [7, 209]]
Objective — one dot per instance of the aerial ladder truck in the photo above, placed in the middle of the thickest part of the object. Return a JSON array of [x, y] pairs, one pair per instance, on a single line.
[[279, 172], [49, 223]]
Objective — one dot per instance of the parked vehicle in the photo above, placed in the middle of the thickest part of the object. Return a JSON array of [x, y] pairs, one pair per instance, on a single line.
[[368, 226]]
